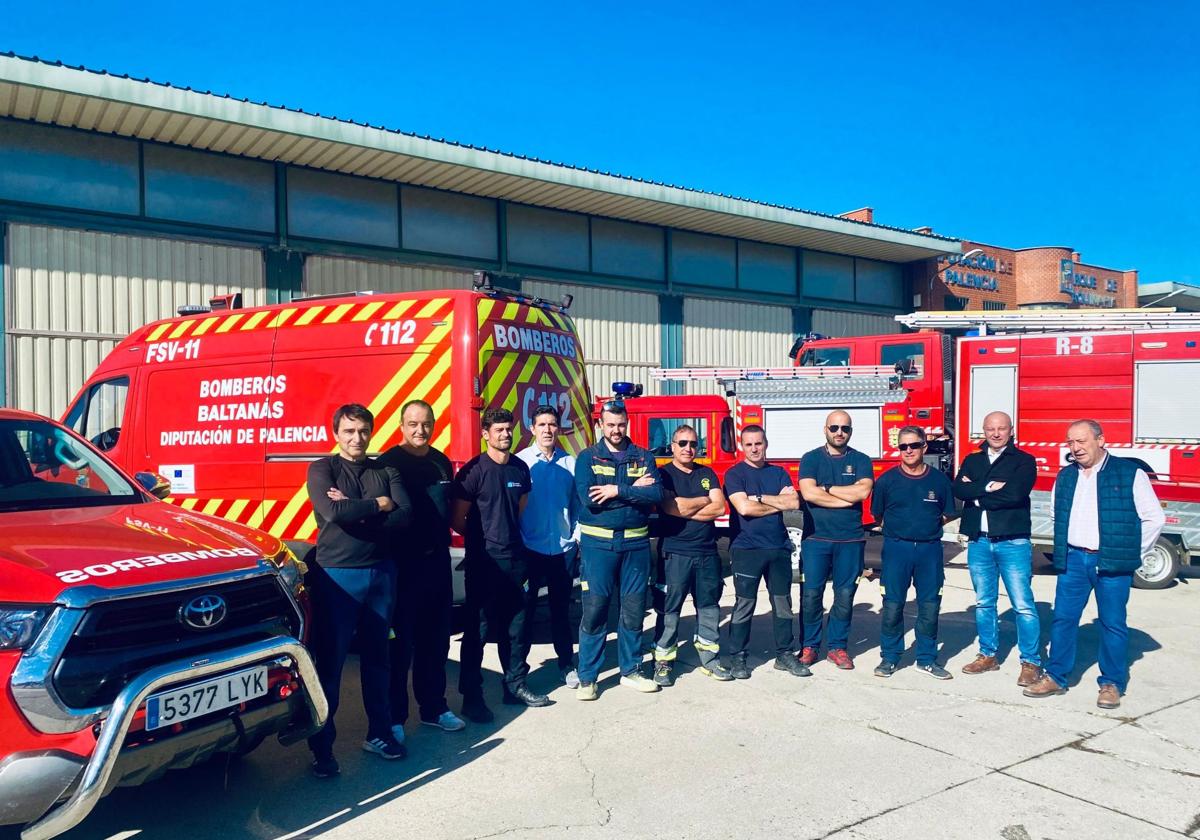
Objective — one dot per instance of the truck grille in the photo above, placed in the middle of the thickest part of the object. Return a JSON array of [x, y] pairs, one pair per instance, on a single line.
[[117, 640]]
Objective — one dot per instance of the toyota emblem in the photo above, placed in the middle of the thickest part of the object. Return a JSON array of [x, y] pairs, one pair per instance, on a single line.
[[203, 613]]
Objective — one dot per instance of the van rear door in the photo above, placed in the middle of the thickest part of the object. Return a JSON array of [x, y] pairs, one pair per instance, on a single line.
[[528, 357]]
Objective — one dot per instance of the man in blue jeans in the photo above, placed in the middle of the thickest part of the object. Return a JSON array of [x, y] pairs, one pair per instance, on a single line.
[[994, 485], [1106, 517], [835, 479]]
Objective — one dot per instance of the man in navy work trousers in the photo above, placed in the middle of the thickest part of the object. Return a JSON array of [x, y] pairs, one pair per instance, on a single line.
[[425, 595], [548, 530], [1106, 517], [692, 499], [912, 501], [994, 485], [618, 485], [359, 506], [758, 495], [835, 479], [490, 491]]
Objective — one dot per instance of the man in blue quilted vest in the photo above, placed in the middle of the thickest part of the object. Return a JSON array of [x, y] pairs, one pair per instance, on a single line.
[[1106, 517]]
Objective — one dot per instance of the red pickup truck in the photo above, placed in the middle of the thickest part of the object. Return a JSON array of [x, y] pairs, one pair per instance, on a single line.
[[135, 636]]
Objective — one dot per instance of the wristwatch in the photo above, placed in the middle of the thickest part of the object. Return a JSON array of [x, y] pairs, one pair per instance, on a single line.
[[827, 486], [758, 498]]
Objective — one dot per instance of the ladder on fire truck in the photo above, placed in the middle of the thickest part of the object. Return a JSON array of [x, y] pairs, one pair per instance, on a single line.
[[843, 385], [1044, 320]]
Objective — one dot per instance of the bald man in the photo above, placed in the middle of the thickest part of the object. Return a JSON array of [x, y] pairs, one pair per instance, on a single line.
[[994, 485], [835, 479]]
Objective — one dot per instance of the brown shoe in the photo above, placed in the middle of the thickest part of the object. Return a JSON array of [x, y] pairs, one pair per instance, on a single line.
[[1030, 674], [1109, 697], [1045, 687], [982, 663]]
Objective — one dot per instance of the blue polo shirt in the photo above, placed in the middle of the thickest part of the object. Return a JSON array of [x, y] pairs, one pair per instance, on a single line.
[[912, 506], [757, 532], [548, 523], [835, 524]]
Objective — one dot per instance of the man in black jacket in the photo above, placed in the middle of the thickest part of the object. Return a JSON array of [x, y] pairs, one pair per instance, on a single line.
[[994, 485], [359, 504]]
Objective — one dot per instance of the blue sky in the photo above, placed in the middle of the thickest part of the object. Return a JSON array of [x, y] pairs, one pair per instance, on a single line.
[[1016, 124]]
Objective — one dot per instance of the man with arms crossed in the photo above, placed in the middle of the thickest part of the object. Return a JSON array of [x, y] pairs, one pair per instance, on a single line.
[[358, 504], [548, 531], [835, 479], [758, 494], [692, 499], [618, 485], [490, 491], [994, 485], [911, 501], [1106, 517], [425, 593]]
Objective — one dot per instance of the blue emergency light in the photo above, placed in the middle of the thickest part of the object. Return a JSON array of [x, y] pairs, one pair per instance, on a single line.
[[626, 389]]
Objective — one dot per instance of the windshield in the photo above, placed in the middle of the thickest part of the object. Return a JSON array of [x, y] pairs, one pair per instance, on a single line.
[[826, 357], [43, 466]]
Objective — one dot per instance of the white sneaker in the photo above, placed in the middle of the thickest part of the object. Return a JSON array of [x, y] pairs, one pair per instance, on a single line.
[[398, 733], [447, 721], [637, 681], [586, 691], [570, 678]]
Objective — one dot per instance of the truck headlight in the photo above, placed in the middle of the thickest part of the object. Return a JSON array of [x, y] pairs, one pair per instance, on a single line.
[[291, 569], [19, 625]]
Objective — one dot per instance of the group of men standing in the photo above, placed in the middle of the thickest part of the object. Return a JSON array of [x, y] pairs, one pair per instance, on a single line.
[[382, 562]]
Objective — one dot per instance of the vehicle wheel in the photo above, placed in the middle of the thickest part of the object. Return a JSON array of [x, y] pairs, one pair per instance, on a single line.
[[795, 535], [1160, 566]]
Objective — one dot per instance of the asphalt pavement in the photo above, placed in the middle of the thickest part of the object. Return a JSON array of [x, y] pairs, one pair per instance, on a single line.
[[842, 755]]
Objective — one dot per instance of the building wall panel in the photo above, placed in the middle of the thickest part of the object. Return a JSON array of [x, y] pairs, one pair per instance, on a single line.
[[724, 333], [333, 275], [838, 324], [71, 294], [618, 329]]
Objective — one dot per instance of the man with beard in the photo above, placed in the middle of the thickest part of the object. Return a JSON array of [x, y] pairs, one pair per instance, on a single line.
[[490, 493], [835, 479], [618, 485]]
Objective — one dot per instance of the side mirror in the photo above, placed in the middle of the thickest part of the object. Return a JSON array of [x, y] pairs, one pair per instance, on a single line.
[[728, 441], [154, 484], [906, 367]]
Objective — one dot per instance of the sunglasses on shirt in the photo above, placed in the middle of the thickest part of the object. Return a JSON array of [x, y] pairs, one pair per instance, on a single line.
[[904, 447], [844, 429], [686, 444]]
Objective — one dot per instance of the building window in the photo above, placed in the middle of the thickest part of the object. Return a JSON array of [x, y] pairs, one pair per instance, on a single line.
[[58, 166], [766, 268], [342, 208], [828, 276], [547, 237], [878, 283], [993, 305], [448, 223], [954, 303], [700, 260], [208, 189], [625, 249]]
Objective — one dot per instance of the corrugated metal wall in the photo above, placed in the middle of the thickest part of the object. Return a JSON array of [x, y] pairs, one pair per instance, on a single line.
[[619, 331], [837, 324], [721, 332], [330, 275], [70, 295]]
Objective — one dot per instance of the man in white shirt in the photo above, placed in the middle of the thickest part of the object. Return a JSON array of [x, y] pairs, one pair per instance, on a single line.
[[1106, 517]]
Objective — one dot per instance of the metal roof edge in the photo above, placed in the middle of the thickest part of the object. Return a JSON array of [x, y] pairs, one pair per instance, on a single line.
[[80, 81]]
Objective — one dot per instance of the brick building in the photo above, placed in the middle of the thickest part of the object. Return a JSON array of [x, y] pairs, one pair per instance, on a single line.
[[991, 277]]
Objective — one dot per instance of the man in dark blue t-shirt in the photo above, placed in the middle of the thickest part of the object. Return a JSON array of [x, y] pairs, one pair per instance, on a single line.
[[758, 495], [834, 481], [912, 501]]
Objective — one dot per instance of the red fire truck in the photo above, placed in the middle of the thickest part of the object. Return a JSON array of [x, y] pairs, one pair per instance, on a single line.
[[1131, 370]]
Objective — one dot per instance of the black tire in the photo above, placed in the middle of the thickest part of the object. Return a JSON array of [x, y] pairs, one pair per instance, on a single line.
[[1159, 567]]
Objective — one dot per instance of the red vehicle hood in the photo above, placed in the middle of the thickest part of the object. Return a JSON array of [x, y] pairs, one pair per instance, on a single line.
[[43, 553]]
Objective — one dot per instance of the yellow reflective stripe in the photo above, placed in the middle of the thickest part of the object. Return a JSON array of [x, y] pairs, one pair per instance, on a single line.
[[636, 472], [644, 531], [336, 315], [157, 332], [183, 327], [205, 325], [700, 644], [255, 320], [667, 655], [510, 311], [600, 469], [596, 531], [309, 315], [230, 322], [485, 309], [367, 311], [281, 318], [431, 307], [399, 309], [882, 589]]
